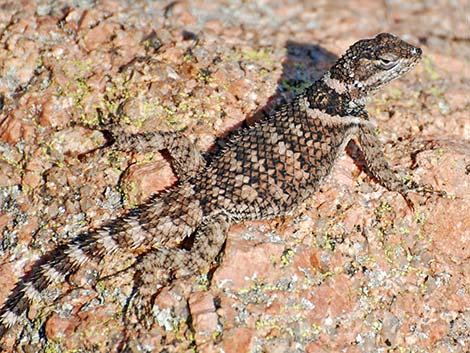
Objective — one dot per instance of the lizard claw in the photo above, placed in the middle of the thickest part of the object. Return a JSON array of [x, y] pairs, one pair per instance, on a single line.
[[408, 201], [138, 311], [144, 315], [424, 190]]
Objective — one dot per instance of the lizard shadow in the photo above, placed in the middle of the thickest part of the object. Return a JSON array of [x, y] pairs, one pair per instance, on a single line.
[[303, 65]]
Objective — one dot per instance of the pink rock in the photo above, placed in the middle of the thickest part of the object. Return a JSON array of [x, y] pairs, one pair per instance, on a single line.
[[205, 319], [76, 140], [8, 175], [14, 127], [403, 275], [99, 35], [239, 88], [238, 340], [55, 111], [244, 260], [145, 179], [316, 347], [57, 328]]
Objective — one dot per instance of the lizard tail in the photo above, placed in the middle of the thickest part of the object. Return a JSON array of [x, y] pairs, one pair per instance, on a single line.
[[168, 219], [50, 269]]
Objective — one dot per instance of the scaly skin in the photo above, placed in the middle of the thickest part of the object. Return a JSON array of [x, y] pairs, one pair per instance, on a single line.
[[265, 171]]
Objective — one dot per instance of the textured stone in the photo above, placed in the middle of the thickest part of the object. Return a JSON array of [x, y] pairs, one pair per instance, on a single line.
[[205, 318], [404, 276]]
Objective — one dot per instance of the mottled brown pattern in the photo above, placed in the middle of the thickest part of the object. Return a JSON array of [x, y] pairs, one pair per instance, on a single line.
[[265, 171], [268, 169], [187, 160]]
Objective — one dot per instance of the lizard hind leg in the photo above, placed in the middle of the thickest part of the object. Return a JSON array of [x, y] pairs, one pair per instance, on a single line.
[[160, 222], [157, 268]]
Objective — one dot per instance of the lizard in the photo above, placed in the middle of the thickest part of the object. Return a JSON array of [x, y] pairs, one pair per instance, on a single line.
[[264, 171]]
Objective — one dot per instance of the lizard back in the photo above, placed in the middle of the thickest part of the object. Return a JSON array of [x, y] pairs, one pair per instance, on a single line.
[[273, 166]]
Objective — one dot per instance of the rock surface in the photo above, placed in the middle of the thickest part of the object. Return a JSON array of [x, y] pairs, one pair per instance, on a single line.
[[352, 270]]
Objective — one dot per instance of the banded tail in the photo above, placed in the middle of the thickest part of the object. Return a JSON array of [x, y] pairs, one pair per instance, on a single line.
[[167, 220]]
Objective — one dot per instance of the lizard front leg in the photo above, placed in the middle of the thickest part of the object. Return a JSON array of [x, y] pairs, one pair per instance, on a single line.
[[378, 165], [187, 160], [380, 169]]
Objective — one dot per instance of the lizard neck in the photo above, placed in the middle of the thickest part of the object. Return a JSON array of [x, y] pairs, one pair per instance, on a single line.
[[333, 97]]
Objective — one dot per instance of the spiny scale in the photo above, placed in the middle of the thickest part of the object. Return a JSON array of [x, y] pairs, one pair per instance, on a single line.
[[264, 171]]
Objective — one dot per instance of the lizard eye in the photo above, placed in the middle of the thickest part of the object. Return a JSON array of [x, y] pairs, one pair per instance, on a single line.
[[387, 62]]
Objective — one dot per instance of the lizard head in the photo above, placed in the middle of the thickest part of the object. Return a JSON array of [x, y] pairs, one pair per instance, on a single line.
[[371, 63]]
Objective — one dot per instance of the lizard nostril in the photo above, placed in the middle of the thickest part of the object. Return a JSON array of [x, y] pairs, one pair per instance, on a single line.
[[416, 51]]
